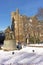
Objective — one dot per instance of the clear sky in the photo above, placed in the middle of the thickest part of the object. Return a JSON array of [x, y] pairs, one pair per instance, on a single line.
[[26, 7]]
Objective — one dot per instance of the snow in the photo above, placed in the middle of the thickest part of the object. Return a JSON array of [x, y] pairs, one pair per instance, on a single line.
[[37, 50], [36, 44], [25, 56]]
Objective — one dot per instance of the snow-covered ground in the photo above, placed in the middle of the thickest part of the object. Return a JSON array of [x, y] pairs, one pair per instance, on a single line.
[[41, 44], [25, 56]]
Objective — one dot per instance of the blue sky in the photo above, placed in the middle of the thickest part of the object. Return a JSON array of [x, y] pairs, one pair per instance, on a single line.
[[26, 7]]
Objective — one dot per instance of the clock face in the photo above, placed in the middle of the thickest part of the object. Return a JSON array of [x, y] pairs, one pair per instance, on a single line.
[[30, 20]]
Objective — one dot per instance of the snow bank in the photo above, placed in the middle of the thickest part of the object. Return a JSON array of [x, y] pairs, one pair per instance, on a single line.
[[36, 44], [36, 50], [25, 56]]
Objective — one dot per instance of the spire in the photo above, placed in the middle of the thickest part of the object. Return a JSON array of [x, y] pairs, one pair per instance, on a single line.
[[17, 11]]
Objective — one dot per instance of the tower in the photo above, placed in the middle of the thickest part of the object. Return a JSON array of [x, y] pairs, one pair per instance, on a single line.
[[17, 25]]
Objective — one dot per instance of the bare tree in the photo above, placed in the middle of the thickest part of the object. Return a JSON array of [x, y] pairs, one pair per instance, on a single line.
[[40, 14]]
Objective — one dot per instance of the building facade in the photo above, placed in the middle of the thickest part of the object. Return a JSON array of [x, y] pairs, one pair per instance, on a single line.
[[26, 27]]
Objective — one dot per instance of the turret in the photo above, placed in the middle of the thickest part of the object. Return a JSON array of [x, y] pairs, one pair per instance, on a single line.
[[17, 11]]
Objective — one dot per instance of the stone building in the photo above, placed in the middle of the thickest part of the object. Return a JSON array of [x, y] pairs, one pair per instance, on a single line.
[[24, 26], [18, 24]]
